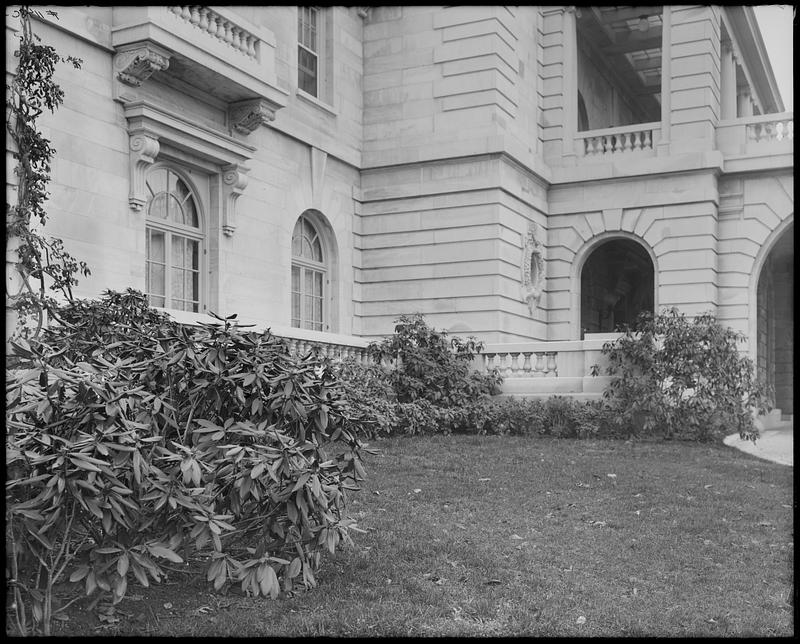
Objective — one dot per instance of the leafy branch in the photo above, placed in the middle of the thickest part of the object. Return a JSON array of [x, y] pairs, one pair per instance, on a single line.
[[40, 260]]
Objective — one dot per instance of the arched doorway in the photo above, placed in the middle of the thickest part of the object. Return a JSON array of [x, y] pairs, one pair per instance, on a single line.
[[775, 321], [616, 285]]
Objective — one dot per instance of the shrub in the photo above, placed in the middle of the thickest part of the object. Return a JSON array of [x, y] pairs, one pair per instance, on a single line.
[[682, 378], [371, 397], [133, 440], [433, 382]]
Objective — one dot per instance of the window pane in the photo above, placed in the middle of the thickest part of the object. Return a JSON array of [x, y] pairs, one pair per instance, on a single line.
[[155, 246], [316, 250], [307, 252], [308, 282], [318, 312], [295, 279], [157, 181], [317, 284], [307, 71], [308, 310], [178, 251], [157, 208]]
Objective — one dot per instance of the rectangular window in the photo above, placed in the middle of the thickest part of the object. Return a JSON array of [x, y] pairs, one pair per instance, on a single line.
[[175, 260], [308, 50]]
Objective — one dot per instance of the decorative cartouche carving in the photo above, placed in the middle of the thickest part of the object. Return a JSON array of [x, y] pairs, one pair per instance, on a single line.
[[246, 116], [532, 267], [138, 64], [234, 181], [143, 152]]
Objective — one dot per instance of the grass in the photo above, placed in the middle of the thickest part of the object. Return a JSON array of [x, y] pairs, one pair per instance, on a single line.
[[471, 535]]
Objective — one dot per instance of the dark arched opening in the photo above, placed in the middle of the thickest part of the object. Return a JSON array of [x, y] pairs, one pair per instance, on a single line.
[[775, 321], [616, 285]]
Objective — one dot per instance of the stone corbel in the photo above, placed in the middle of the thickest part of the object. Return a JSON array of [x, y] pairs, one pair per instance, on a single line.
[[143, 153], [246, 116], [234, 181], [136, 64]]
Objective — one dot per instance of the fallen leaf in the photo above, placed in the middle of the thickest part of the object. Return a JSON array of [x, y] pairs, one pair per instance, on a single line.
[[516, 536], [611, 476], [168, 605], [493, 582], [580, 620], [417, 491]]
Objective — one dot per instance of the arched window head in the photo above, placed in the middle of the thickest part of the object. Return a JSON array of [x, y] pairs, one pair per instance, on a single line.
[[309, 277], [174, 242]]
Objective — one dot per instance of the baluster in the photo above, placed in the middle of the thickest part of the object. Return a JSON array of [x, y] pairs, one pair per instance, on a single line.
[[647, 142], [251, 46], [293, 346], [751, 132], [514, 364], [220, 28], [228, 32], [235, 37], [203, 19], [243, 36], [212, 24], [488, 362], [637, 140], [194, 18], [552, 367], [538, 370], [185, 12], [526, 364], [594, 144], [176, 10]]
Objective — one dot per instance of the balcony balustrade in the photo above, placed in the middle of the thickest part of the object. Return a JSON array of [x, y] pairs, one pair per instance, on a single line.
[[767, 134], [214, 49], [628, 139]]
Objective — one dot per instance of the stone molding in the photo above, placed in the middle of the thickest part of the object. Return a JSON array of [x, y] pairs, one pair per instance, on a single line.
[[234, 181], [137, 64], [143, 152], [532, 278], [246, 116]]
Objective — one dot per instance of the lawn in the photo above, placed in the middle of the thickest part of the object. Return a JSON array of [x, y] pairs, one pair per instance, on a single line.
[[474, 535]]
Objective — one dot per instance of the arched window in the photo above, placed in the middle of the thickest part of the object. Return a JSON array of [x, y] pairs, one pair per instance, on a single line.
[[174, 241], [308, 276], [616, 285]]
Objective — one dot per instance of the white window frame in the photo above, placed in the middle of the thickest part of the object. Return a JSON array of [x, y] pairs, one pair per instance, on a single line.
[[171, 229], [324, 56], [305, 264]]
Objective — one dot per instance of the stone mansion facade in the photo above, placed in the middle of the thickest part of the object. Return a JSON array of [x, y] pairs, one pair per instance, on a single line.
[[531, 175]]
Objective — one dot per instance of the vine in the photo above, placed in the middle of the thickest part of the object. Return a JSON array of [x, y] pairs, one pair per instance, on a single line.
[[43, 264]]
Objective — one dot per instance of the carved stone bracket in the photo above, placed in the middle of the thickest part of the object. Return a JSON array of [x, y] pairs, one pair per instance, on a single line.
[[136, 64], [143, 152], [246, 116], [532, 267], [234, 181]]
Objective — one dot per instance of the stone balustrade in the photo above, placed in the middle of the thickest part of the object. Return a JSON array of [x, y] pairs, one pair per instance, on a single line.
[[335, 346], [218, 27], [766, 135], [772, 130], [616, 140], [522, 364], [542, 369]]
